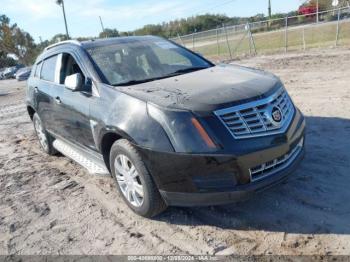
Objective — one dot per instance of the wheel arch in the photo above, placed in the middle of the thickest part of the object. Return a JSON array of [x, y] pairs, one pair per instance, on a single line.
[[107, 139]]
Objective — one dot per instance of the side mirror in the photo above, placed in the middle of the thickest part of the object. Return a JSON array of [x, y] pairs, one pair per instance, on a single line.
[[74, 82]]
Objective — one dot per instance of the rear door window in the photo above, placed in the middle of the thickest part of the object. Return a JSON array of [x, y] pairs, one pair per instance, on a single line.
[[49, 68]]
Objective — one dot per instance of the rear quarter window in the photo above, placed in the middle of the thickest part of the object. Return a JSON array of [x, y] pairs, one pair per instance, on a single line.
[[36, 70], [32, 72]]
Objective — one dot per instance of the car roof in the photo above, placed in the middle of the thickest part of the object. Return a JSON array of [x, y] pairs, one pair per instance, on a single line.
[[91, 43], [100, 41], [116, 40]]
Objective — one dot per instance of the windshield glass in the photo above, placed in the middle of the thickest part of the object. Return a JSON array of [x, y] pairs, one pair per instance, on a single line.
[[136, 61]]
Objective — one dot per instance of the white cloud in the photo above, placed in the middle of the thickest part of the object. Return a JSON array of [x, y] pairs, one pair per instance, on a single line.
[[34, 9]]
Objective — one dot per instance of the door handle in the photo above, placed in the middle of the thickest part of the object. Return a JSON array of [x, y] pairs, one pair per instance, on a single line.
[[58, 100]]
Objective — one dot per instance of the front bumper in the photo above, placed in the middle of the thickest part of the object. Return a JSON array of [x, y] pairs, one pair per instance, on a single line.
[[213, 179], [238, 193]]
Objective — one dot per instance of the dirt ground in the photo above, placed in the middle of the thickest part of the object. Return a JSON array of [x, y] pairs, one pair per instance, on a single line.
[[50, 205]]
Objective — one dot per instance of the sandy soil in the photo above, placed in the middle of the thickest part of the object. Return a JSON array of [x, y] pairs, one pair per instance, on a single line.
[[50, 205]]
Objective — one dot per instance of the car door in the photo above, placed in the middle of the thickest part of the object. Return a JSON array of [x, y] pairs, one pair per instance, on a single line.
[[74, 112], [45, 90]]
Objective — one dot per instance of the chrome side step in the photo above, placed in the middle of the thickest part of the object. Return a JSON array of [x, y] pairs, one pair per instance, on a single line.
[[93, 164]]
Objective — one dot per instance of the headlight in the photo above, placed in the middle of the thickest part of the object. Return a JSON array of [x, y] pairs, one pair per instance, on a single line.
[[185, 132]]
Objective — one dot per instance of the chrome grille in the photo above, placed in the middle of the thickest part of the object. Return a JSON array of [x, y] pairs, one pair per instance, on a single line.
[[275, 165], [255, 118]]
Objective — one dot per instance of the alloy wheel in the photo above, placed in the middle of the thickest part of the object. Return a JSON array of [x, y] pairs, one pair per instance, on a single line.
[[129, 180]]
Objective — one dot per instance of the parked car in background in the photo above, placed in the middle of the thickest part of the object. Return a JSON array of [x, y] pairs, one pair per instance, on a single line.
[[171, 127], [23, 73], [9, 72], [1, 73]]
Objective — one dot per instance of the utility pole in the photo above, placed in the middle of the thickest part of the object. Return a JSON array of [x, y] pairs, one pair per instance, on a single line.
[[61, 3], [286, 35], [317, 10], [103, 29], [269, 9]]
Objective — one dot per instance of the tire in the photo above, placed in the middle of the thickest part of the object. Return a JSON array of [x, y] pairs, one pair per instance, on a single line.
[[45, 140], [131, 174]]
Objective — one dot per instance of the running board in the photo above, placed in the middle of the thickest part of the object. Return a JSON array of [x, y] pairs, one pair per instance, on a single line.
[[93, 164]]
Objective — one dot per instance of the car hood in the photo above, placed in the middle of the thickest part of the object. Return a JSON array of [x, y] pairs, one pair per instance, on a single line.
[[207, 90]]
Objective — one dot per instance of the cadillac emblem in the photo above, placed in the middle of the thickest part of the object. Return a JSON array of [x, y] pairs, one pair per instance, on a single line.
[[276, 114]]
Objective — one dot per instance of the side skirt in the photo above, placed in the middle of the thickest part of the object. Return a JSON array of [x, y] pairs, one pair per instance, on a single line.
[[92, 162]]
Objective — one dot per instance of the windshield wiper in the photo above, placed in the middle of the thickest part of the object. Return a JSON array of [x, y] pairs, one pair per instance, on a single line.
[[187, 70], [177, 72], [135, 82]]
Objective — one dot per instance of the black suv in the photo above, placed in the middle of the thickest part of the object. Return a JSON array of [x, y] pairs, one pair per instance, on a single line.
[[170, 126]]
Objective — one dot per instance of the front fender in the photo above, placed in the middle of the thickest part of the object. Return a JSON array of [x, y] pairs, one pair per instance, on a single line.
[[126, 116]]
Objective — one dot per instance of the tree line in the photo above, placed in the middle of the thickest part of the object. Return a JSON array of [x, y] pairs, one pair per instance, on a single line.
[[196, 24], [208, 21], [15, 41]]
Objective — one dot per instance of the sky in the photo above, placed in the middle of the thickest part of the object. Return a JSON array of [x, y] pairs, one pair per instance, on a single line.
[[43, 18]]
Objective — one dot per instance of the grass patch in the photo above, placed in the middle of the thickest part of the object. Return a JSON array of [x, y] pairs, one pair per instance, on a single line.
[[321, 35]]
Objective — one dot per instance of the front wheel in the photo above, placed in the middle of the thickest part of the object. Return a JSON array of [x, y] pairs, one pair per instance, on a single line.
[[44, 138], [134, 182]]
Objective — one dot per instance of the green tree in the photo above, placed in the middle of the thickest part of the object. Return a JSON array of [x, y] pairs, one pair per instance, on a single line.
[[109, 33], [6, 61], [58, 38], [14, 40]]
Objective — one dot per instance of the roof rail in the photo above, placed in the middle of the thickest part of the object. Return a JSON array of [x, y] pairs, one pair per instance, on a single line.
[[74, 42]]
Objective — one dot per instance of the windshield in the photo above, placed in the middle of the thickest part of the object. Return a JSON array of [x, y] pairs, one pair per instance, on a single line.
[[136, 61]]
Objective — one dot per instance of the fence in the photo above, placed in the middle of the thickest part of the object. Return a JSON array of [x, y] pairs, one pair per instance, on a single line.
[[327, 28]]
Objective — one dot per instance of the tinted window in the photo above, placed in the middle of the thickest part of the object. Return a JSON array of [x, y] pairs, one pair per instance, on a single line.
[[48, 69]]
